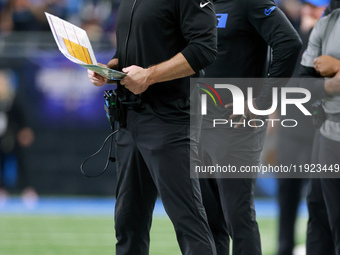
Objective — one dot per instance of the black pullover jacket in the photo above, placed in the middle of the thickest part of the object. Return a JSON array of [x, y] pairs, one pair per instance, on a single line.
[[152, 31], [245, 29]]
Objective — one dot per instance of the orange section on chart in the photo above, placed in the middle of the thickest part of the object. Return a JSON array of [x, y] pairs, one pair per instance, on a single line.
[[78, 51]]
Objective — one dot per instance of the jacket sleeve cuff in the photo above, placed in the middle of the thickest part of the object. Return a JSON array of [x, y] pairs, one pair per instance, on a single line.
[[197, 57]]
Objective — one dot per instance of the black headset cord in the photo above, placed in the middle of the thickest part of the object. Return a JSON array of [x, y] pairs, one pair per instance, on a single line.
[[109, 158]]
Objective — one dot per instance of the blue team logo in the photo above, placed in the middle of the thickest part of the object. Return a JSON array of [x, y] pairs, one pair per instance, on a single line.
[[221, 19], [267, 12]]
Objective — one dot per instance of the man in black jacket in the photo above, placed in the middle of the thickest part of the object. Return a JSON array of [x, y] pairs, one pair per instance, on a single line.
[[160, 43], [245, 29]]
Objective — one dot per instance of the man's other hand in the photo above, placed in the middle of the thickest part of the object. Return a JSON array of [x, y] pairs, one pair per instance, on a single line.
[[136, 79]]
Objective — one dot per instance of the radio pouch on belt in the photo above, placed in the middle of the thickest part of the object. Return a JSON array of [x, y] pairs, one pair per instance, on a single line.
[[115, 111]]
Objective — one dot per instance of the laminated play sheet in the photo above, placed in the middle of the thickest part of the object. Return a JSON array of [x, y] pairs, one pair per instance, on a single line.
[[74, 43]]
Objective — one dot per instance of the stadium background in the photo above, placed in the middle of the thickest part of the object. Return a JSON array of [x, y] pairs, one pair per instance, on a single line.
[[65, 111], [67, 116]]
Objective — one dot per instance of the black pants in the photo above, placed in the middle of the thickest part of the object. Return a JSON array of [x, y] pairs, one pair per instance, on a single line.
[[229, 202], [297, 151], [289, 198], [323, 200], [153, 156]]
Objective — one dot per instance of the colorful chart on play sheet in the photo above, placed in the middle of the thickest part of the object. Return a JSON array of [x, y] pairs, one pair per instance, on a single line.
[[74, 43]]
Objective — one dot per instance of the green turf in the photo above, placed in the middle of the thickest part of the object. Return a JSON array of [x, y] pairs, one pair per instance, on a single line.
[[52, 235]]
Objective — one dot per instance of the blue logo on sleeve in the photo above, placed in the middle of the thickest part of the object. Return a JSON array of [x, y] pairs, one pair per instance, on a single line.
[[267, 12], [221, 19]]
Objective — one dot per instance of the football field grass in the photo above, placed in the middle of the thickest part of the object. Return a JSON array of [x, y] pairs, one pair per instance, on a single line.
[[85, 235]]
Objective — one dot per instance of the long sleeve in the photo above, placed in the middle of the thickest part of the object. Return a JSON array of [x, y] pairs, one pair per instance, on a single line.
[[312, 80], [198, 26], [279, 34]]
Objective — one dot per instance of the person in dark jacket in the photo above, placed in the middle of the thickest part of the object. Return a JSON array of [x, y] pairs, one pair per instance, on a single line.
[[160, 44], [245, 30]]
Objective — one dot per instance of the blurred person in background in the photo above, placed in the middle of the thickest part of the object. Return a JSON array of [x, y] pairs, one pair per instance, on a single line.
[[311, 11], [292, 10], [97, 17], [28, 15], [303, 14], [322, 60], [15, 136], [294, 145], [245, 31]]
